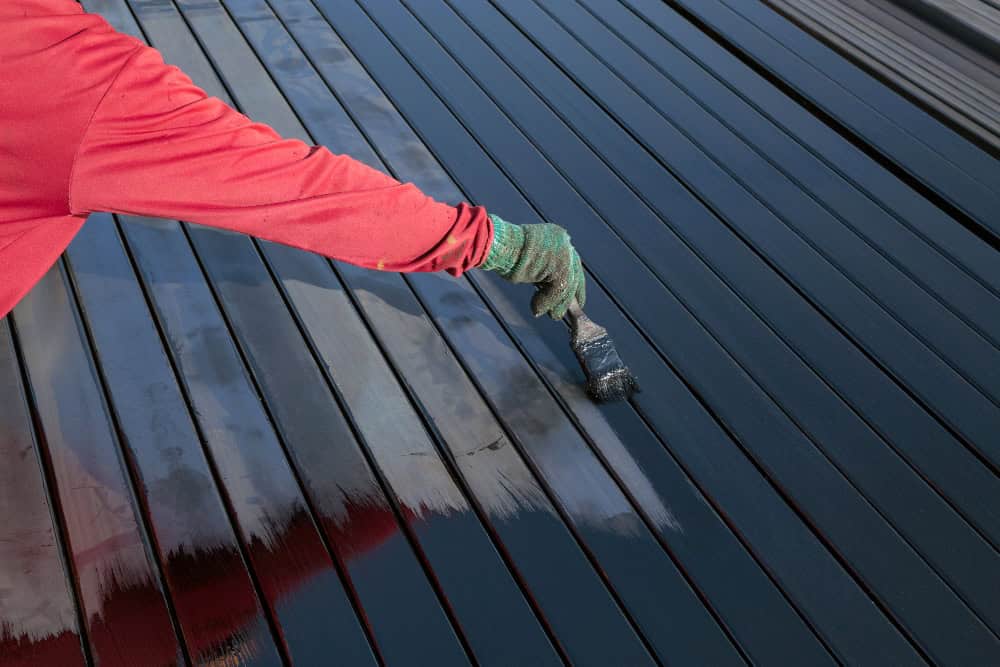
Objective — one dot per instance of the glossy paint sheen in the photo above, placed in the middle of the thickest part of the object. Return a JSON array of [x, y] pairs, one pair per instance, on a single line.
[[467, 163], [981, 557], [850, 162], [581, 485], [121, 592], [557, 364], [571, 54], [522, 515], [232, 452], [294, 568], [201, 559], [908, 427], [38, 622], [481, 470], [961, 173]]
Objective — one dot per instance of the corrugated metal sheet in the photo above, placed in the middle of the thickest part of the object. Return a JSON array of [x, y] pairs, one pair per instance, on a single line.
[[223, 451]]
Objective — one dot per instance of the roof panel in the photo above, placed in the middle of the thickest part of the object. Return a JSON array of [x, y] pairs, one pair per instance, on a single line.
[[404, 468]]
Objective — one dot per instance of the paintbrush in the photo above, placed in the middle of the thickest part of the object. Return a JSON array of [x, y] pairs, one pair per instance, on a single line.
[[608, 379]]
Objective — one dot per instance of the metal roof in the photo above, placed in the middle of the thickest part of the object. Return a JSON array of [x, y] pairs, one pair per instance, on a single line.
[[216, 450]]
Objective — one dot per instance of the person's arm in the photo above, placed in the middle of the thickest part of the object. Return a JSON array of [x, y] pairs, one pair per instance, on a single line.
[[159, 146]]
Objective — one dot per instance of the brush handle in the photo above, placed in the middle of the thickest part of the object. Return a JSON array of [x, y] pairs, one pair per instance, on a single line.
[[583, 327], [575, 313]]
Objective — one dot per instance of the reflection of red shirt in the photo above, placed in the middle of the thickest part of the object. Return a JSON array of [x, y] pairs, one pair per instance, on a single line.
[[216, 602], [92, 120]]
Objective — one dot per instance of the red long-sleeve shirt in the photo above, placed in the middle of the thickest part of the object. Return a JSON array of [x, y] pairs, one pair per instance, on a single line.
[[93, 120]]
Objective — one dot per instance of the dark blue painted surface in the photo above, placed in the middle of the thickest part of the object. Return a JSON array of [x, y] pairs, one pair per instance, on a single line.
[[306, 462], [939, 158]]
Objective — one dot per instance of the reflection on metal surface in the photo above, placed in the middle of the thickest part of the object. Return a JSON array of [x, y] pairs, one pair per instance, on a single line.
[[579, 481], [187, 520], [121, 599], [411, 461], [304, 412], [283, 544], [37, 620], [499, 479], [609, 528]]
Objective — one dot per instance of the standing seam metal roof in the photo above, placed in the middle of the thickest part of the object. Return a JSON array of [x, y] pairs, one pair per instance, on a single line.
[[223, 451]]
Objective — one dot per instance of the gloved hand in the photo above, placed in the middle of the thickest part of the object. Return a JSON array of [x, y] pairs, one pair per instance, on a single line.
[[539, 254]]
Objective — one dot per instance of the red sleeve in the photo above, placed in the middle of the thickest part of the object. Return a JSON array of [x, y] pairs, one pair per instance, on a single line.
[[159, 146]]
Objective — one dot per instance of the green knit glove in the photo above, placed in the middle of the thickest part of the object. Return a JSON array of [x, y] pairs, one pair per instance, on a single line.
[[539, 254]]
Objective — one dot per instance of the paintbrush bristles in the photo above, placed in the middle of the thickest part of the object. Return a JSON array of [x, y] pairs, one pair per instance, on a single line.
[[618, 385], [608, 379]]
